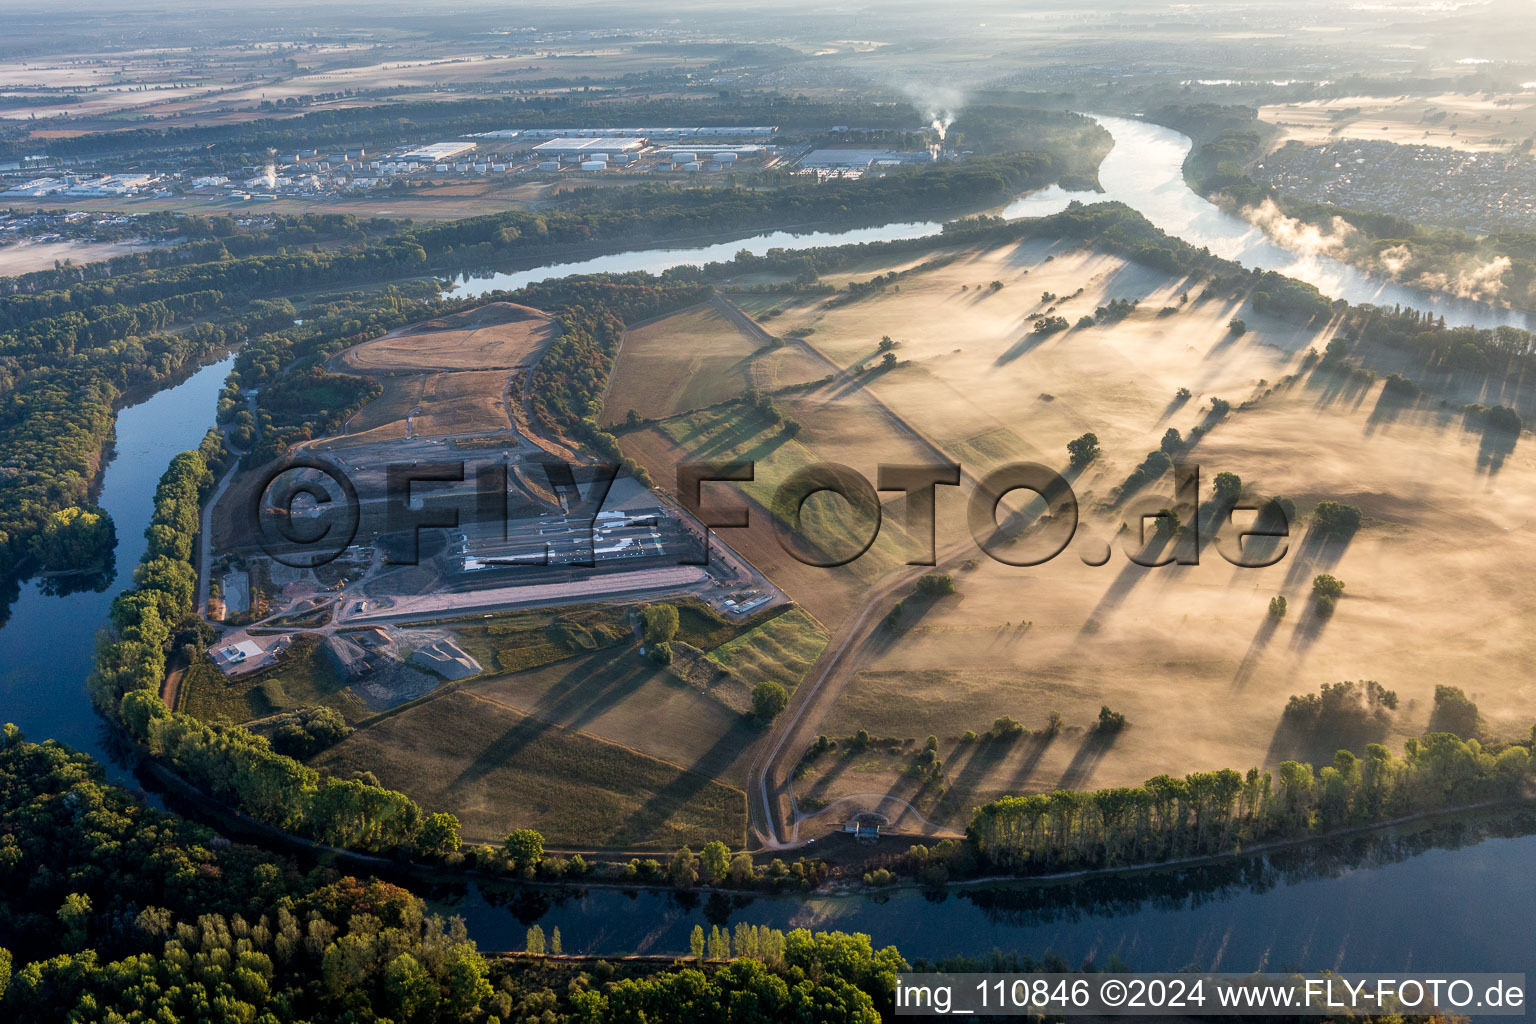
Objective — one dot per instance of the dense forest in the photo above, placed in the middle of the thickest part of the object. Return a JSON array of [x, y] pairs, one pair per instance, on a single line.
[[114, 911]]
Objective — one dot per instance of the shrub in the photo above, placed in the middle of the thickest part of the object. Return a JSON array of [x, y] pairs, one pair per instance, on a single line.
[[1277, 607]]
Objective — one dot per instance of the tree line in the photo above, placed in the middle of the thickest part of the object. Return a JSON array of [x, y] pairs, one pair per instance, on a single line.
[[1208, 813]]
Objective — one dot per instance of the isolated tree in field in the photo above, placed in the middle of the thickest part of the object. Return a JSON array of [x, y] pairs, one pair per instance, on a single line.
[[658, 624], [716, 859], [888, 360], [1237, 327], [1110, 721], [1326, 591], [886, 344], [1227, 487], [1168, 524], [633, 418], [554, 943], [935, 584], [768, 699], [1083, 450], [525, 848], [1277, 607], [1172, 441], [696, 942], [535, 940], [1335, 519]]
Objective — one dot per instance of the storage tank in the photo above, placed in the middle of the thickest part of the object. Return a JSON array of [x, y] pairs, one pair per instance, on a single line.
[[685, 157], [594, 165], [549, 165], [691, 165], [725, 158]]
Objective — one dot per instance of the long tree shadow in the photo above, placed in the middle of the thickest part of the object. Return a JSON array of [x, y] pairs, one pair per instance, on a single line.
[[646, 822], [1124, 583], [1089, 753], [1389, 408], [964, 788], [1255, 653], [1309, 630], [1495, 446], [1034, 745], [1318, 552], [1178, 402], [594, 687], [1023, 346]]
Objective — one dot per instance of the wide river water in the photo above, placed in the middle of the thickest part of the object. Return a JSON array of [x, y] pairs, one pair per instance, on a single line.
[[1460, 900]]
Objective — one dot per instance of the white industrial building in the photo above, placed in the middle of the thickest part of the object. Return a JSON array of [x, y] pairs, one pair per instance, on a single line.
[[439, 152], [859, 159], [589, 147], [651, 134]]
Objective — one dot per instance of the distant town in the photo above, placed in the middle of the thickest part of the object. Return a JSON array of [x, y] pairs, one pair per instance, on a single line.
[[1425, 184]]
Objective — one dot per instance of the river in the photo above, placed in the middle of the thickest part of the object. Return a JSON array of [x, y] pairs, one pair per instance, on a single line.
[[1434, 908]]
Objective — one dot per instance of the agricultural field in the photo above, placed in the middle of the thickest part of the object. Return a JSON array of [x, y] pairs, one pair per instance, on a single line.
[[696, 358], [1188, 653], [496, 335], [1475, 122], [499, 770], [26, 256], [836, 422]]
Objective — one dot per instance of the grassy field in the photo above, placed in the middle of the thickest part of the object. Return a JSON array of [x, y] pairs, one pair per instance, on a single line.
[[781, 649], [695, 358], [515, 641], [303, 678], [618, 695], [498, 770]]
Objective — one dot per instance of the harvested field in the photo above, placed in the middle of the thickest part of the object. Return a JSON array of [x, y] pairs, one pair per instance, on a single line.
[[618, 695], [499, 770], [502, 335], [696, 358], [432, 405]]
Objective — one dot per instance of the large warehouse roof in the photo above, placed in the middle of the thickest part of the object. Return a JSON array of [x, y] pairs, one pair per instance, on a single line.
[[439, 151], [590, 146]]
